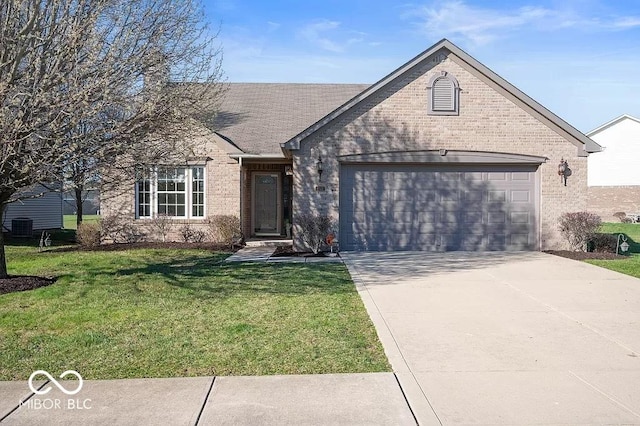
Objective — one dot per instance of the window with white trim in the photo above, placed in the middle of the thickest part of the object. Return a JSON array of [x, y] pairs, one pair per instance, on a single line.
[[444, 94], [178, 192]]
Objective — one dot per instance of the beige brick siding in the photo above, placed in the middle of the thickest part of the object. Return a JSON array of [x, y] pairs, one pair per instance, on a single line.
[[395, 119], [222, 192], [607, 200]]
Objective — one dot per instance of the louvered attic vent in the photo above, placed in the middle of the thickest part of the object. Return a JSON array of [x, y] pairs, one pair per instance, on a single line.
[[443, 94]]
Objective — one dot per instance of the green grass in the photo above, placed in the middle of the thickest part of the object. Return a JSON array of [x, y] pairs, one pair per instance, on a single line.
[[167, 313], [631, 230], [629, 266], [69, 220]]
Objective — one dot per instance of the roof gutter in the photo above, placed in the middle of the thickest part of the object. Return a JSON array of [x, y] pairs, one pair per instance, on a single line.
[[261, 158]]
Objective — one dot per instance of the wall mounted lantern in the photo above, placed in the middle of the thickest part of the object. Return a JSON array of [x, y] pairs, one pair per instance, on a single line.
[[564, 171], [319, 168]]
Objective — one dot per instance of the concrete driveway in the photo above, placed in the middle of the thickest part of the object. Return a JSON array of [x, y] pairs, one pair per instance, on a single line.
[[506, 338]]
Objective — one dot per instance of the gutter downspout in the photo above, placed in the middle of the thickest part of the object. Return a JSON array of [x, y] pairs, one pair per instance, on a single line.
[[241, 196]]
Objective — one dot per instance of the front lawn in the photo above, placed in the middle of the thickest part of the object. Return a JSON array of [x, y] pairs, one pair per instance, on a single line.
[[164, 313], [629, 266], [70, 220]]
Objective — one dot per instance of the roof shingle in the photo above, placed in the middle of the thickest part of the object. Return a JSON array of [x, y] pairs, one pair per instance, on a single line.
[[257, 117]]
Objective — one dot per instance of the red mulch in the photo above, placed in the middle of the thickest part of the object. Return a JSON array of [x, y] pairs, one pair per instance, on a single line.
[[582, 255], [151, 245], [23, 283]]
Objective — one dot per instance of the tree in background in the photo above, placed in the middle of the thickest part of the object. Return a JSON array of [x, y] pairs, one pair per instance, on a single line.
[[94, 85]]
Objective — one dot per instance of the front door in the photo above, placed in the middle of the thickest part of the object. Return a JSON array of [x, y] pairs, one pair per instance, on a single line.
[[266, 206]]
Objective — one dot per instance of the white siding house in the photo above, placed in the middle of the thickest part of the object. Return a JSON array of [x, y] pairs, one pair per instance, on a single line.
[[45, 211], [613, 175], [619, 163]]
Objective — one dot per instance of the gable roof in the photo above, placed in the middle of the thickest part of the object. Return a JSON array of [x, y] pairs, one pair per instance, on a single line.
[[256, 117], [582, 142], [613, 123]]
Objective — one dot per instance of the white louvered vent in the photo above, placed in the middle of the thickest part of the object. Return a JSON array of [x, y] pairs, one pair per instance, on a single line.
[[443, 93]]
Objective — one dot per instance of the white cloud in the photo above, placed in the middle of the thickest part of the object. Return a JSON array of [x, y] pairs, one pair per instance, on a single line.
[[627, 22], [273, 26], [481, 25], [476, 24], [316, 34]]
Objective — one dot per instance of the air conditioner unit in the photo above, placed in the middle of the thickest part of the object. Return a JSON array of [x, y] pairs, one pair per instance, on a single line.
[[22, 227]]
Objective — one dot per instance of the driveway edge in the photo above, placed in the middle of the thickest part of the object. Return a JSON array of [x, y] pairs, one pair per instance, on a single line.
[[418, 402]]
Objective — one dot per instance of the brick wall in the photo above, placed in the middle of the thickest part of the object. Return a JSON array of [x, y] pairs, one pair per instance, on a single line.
[[395, 119], [607, 200], [222, 191]]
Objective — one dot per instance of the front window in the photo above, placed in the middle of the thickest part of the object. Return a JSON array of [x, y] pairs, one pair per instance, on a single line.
[[172, 191]]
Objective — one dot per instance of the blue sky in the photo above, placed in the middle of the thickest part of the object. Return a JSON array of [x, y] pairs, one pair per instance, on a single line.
[[580, 59]]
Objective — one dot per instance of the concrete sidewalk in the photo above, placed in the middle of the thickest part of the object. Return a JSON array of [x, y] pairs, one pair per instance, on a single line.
[[340, 399]]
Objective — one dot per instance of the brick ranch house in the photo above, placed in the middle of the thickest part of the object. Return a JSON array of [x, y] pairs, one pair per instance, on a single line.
[[441, 154]]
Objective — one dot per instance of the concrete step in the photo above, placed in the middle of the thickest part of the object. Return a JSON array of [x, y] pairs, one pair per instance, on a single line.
[[268, 242]]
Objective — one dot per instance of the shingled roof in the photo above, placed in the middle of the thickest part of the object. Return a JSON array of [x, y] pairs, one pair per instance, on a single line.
[[258, 117]]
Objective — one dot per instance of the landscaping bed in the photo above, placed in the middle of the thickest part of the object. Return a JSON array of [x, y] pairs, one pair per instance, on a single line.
[[23, 283], [287, 251], [150, 245], [583, 255]]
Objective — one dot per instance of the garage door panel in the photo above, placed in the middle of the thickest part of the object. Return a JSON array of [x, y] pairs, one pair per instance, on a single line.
[[414, 207], [496, 176], [412, 195], [522, 176], [521, 196]]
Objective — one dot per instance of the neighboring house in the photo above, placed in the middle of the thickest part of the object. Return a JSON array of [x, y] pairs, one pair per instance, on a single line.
[[441, 154], [45, 209], [614, 178], [90, 204]]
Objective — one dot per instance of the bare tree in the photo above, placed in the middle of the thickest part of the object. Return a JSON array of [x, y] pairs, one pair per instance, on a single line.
[[94, 85]]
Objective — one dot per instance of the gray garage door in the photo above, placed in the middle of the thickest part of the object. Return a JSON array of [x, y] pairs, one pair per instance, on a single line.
[[438, 208]]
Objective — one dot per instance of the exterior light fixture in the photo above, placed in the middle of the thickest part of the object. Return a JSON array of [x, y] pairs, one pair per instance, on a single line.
[[622, 244], [564, 171], [319, 168]]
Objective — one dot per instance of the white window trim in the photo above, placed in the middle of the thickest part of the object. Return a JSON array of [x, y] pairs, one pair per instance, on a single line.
[[153, 187]]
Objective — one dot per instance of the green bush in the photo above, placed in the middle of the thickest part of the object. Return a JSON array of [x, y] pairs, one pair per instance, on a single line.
[[603, 243]]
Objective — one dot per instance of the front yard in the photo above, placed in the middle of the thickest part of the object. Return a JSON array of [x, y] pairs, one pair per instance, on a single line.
[[165, 313], [629, 266]]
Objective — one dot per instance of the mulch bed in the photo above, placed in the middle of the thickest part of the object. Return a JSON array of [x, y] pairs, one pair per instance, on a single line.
[[150, 245], [582, 255], [287, 251], [23, 283]]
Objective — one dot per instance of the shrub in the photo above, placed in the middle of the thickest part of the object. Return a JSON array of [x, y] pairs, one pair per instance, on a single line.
[[603, 243], [314, 229], [226, 229], [190, 235], [89, 234], [621, 216], [117, 230], [161, 224], [578, 228]]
